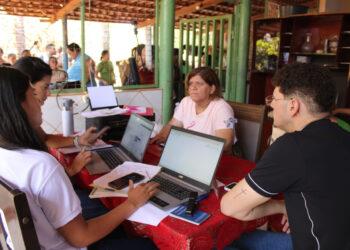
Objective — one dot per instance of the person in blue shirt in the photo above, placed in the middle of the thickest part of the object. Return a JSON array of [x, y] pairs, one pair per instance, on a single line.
[[74, 72]]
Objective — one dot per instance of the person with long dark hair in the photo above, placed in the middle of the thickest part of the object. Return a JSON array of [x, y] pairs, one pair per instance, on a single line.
[[26, 164], [74, 72]]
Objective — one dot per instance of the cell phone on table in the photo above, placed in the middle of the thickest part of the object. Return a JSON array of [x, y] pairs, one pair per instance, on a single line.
[[230, 186], [99, 133], [123, 182]]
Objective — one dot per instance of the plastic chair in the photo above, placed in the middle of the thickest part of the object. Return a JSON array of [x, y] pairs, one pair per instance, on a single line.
[[16, 220]]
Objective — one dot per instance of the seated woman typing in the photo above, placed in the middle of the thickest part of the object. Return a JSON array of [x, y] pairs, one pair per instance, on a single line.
[[40, 75], [26, 164], [204, 110]]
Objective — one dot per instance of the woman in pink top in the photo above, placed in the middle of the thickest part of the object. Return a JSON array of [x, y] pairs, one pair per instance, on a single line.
[[203, 110]]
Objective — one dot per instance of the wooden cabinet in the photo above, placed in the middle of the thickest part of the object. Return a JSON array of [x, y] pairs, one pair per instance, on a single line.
[[329, 35]]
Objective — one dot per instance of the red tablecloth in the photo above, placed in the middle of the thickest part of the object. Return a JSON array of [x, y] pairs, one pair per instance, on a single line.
[[218, 231]]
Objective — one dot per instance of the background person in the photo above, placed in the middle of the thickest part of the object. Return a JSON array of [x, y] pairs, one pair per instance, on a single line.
[[25, 52], [12, 58], [58, 75], [314, 151], [203, 110], [2, 61], [28, 166], [105, 71], [74, 72], [50, 51]]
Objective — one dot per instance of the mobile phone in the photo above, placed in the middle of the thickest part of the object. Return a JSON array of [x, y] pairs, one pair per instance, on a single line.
[[230, 186], [123, 182], [99, 133]]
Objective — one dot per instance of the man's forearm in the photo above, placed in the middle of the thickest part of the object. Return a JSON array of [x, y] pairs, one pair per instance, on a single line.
[[268, 208]]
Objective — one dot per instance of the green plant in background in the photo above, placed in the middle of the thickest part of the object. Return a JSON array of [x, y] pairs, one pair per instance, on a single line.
[[266, 48]]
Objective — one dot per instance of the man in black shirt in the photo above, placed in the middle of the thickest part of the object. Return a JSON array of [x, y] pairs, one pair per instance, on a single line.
[[310, 164]]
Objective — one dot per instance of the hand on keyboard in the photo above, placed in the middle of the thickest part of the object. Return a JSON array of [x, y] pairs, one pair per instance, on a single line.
[[140, 194]]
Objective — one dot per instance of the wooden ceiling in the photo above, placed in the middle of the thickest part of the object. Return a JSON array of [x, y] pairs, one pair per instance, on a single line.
[[126, 11]]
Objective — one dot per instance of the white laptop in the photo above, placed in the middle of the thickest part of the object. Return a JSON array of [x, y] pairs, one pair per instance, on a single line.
[[102, 97], [131, 148], [189, 161]]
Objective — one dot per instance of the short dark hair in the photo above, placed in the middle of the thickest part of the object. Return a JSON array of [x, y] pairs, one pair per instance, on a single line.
[[311, 82], [35, 68], [73, 47], [15, 129], [50, 45], [209, 76], [104, 52]]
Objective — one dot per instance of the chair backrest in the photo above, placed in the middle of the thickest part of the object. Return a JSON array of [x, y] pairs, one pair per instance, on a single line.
[[249, 128], [16, 219]]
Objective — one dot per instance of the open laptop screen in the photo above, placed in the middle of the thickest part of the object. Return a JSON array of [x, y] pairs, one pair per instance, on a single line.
[[102, 97], [136, 135], [192, 154]]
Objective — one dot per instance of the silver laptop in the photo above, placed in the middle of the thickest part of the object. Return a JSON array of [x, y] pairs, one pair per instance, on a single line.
[[131, 148], [189, 161]]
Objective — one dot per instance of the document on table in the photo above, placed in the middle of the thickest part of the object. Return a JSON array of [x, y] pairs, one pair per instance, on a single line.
[[149, 214], [126, 168], [98, 144], [104, 112]]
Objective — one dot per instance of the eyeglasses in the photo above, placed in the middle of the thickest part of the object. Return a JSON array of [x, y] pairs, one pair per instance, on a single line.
[[269, 99]]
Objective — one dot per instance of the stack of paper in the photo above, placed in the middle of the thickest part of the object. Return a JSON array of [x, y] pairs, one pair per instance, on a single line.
[[126, 168]]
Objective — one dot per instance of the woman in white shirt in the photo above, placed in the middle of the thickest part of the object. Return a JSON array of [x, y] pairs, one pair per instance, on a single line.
[[203, 110], [26, 164]]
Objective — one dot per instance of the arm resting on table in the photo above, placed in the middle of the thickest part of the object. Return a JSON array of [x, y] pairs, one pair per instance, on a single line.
[[243, 203]]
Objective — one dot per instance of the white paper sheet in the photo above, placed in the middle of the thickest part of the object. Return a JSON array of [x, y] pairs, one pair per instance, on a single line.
[[98, 144], [126, 168], [104, 112], [149, 214]]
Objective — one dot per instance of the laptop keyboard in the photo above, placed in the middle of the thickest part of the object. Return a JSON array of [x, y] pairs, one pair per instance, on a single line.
[[110, 158], [171, 188]]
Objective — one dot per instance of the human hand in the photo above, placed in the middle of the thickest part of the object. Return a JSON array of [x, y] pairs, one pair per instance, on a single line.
[[83, 140], [285, 223], [140, 194], [157, 139], [83, 158]]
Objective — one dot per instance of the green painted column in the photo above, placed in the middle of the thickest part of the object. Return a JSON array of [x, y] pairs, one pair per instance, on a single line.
[[156, 43], [243, 50], [234, 53], [167, 20], [82, 52]]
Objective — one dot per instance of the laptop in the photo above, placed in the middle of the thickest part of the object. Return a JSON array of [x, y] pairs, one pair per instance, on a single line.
[[132, 147], [102, 97], [189, 161]]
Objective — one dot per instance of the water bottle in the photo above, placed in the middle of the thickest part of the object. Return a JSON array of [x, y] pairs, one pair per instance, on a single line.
[[67, 117]]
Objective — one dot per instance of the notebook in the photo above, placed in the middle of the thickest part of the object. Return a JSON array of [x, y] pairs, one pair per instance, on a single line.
[[132, 147], [102, 97], [197, 218], [189, 161]]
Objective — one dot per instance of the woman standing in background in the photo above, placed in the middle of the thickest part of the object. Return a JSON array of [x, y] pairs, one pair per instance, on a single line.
[[105, 68]]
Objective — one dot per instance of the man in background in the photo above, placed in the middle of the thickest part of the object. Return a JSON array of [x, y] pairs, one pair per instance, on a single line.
[[309, 164], [50, 51]]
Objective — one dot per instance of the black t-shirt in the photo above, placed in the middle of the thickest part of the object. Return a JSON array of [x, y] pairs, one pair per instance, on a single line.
[[312, 169]]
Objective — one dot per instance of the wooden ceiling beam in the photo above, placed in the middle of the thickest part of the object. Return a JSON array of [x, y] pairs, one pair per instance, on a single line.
[[73, 4], [185, 10]]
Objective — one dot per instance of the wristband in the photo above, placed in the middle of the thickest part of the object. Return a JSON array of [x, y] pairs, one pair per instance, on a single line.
[[76, 143]]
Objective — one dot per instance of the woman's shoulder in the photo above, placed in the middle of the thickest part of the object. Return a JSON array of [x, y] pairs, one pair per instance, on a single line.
[[221, 103]]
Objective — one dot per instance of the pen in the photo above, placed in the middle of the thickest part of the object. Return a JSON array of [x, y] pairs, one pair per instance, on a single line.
[[108, 189], [147, 176]]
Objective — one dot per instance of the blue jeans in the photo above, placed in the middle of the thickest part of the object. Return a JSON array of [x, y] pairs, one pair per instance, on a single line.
[[262, 240], [91, 208]]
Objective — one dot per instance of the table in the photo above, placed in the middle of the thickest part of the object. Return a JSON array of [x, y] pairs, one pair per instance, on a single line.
[[217, 231]]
